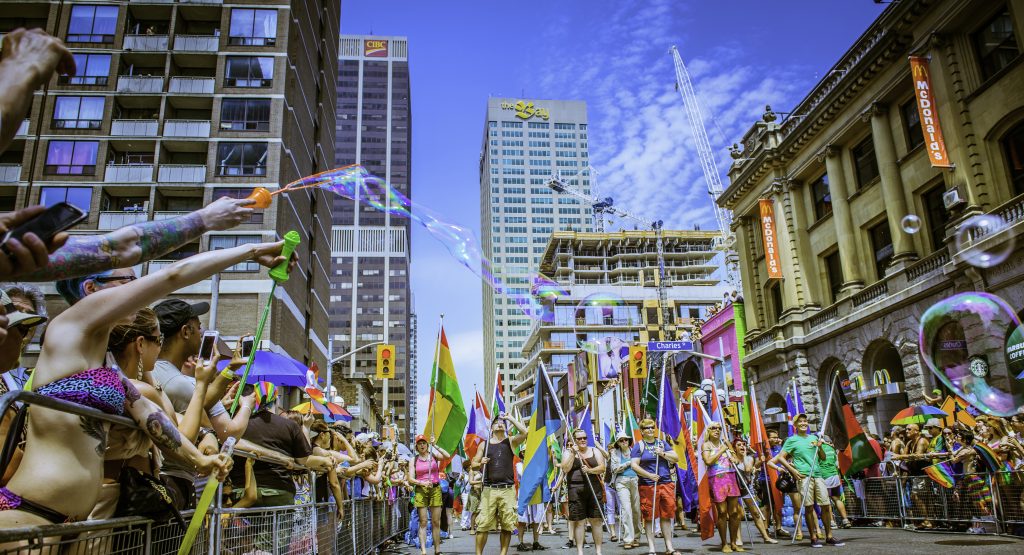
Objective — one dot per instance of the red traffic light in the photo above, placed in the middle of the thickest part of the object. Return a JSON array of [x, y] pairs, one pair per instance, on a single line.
[[638, 355], [385, 353]]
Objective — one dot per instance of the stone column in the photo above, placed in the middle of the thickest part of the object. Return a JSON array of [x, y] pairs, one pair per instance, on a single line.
[[749, 283], [892, 182], [853, 278], [797, 210]]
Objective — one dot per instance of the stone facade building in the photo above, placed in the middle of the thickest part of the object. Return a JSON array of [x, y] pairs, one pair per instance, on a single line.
[[866, 225]]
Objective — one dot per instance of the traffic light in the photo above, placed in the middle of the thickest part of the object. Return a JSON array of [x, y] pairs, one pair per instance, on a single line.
[[385, 362], [638, 361]]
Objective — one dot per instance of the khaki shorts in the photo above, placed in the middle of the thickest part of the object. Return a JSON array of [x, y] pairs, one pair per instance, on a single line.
[[814, 491], [474, 501], [429, 496], [497, 510]]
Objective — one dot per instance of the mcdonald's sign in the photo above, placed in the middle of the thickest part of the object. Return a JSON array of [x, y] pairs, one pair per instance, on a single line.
[[771, 242], [928, 113]]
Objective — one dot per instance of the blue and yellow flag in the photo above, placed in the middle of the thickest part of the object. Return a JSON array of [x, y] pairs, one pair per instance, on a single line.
[[544, 421], [671, 424]]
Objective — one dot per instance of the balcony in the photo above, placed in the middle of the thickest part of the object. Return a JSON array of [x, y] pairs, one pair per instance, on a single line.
[[181, 173], [133, 128], [128, 173], [192, 85], [187, 128], [10, 173], [146, 43], [196, 43], [140, 84], [117, 220]]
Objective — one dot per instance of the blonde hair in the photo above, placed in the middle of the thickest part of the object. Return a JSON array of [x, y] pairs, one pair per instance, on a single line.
[[144, 324], [647, 422]]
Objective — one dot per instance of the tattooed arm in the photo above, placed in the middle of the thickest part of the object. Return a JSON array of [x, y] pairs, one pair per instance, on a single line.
[[134, 244], [165, 435]]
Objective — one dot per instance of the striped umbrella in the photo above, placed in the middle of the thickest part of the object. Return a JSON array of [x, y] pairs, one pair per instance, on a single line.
[[917, 415]]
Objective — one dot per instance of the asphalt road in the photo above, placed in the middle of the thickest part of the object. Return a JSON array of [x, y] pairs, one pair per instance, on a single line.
[[858, 540]]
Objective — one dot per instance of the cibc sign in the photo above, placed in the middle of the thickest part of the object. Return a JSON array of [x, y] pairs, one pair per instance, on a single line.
[[375, 48], [771, 243]]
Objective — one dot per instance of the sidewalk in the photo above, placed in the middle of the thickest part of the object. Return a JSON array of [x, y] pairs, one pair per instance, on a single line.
[[858, 540]]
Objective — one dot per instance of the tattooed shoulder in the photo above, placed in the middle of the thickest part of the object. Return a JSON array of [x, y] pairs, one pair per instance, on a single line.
[[131, 393]]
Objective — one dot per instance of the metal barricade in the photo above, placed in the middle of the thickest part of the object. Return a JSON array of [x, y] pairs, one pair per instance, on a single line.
[[114, 536], [875, 499]]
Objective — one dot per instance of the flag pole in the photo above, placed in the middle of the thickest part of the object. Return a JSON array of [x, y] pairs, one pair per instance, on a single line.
[[569, 425], [814, 463], [657, 427], [728, 433], [433, 378], [764, 465]]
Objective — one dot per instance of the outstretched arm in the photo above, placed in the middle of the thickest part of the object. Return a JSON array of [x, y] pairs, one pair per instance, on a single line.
[[137, 243]]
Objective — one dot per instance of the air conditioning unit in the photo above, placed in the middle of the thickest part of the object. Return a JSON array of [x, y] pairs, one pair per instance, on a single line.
[[951, 199]]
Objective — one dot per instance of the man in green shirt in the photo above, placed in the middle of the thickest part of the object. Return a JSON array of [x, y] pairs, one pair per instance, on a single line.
[[801, 454], [828, 470]]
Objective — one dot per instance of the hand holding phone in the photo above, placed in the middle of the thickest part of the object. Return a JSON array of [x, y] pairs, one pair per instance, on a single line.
[[31, 234], [206, 345], [247, 344]]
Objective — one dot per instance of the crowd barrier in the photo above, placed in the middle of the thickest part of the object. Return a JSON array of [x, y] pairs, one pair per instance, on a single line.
[[989, 502], [302, 529]]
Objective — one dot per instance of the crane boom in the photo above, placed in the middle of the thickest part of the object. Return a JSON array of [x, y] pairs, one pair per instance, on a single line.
[[706, 155]]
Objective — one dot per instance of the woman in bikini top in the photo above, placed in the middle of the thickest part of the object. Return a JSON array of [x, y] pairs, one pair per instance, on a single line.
[[64, 452]]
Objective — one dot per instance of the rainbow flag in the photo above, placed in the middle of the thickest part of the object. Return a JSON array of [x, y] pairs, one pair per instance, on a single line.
[[942, 473], [990, 459], [446, 415]]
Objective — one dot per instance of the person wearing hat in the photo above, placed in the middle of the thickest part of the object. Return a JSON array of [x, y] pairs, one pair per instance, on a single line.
[[182, 333], [424, 475], [22, 318], [624, 480]]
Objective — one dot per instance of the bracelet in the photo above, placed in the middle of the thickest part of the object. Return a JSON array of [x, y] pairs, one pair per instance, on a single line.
[[228, 374]]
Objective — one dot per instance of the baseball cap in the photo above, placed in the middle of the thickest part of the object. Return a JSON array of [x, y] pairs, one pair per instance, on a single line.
[[933, 423], [420, 438], [174, 313], [15, 316]]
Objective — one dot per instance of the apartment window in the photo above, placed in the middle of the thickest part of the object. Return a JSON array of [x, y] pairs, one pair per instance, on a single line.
[[864, 162], [239, 159], [937, 216], [90, 69], [775, 291], [834, 272], [245, 114], [77, 196], [881, 244], [92, 24], [912, 125], [253, 27], [249, 71], [231, 241], [77, 112], [1013, 146], [822, 197], [256, 217], [996, 44], [71, 157]]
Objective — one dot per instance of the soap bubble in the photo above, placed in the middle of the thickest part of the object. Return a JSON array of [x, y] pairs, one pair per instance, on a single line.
[[592, 317], [976, 243], [974, 344], [911, 223]]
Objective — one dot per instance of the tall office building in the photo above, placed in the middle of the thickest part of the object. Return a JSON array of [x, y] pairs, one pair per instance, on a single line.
[[370, 294], [525, 143], [175, 105]]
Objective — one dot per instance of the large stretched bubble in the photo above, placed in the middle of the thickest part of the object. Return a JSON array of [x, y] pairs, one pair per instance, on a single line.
[[975, 242], [973, 343]]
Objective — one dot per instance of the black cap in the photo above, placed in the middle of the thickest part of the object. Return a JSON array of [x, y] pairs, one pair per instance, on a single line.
[[174, 313]]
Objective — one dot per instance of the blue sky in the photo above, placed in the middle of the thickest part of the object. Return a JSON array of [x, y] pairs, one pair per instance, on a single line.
[[614, 55]]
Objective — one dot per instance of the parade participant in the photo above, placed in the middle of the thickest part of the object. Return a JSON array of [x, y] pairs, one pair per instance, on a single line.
[[624, 480], [828, 470], [63, 452], [498, 497], [424, 475], [803, 449], [475, 481], [747, 466], [653, 464], [531, 519], [582, 464], [725, 490], [775, 447]]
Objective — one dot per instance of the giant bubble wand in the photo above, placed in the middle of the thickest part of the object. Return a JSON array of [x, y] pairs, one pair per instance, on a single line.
[[204, 503]]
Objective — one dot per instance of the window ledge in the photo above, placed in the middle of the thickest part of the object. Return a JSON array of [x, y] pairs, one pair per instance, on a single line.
[[819, 222], [986, 84], [874, 181], [910, 153]]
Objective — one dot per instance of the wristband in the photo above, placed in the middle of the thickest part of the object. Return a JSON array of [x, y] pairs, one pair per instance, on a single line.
[[228, 374]]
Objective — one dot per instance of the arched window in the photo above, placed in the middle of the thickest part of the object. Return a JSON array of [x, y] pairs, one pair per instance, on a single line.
[[1013, 146]]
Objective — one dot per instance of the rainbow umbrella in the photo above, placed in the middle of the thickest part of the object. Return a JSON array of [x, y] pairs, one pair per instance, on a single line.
[[917, 415], [330, 410]]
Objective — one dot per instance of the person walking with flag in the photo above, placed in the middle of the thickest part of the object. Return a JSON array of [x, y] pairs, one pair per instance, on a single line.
[[581, 464], [424, 475], [624, 480], [725, 490], [498, 498], [653, 464]]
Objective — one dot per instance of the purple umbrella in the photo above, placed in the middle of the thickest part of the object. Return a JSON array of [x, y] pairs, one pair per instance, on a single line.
[[271, 367]]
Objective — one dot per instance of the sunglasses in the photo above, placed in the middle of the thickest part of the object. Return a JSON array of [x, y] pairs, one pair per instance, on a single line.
[[584, 438], [646, 428], [158, 339], [109, 279]]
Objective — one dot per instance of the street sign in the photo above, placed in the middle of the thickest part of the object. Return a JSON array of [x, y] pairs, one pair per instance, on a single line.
[[662, 346]]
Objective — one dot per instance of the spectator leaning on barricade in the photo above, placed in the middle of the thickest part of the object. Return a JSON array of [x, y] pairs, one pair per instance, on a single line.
[[63, 453], [328, 484], [916, 458]]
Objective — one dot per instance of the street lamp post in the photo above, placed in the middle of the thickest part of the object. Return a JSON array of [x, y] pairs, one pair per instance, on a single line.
[[330, 363]]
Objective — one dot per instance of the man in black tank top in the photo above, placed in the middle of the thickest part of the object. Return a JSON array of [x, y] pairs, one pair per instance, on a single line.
[[498, 497]]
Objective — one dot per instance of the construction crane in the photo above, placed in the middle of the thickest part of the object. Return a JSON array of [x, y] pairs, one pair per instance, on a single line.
[[726, 242], [606, 205]]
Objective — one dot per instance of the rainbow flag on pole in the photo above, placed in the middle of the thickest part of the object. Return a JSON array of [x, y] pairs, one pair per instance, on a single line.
[[942, 473], [446, 415]]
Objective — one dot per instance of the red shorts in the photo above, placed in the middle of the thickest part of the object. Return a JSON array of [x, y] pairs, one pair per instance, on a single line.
[[666, 502]]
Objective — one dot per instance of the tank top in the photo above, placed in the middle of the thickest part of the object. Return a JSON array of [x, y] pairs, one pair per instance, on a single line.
[[500, 469], [577, 476], [723, 465], [427, 471]]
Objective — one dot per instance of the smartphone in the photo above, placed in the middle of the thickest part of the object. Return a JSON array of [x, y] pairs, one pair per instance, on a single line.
[[248, 343], [206, 346], [57, 218]]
